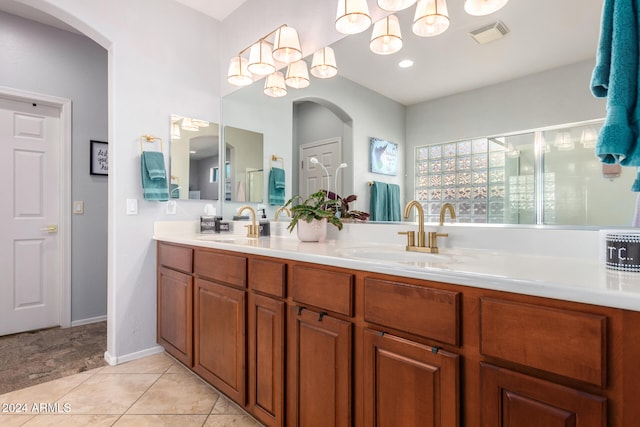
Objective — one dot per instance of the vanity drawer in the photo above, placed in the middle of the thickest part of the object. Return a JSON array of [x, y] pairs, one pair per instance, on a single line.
[[230, 269], [563, 342], [329, 290], [175, 257], [427, 312], [268, 277]]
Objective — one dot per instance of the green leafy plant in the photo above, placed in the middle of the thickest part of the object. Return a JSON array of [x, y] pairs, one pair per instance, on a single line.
[[316, 206], [343, 207]]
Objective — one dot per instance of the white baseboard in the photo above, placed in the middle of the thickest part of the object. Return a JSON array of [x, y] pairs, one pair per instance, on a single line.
[[113, 360], [89, 321]]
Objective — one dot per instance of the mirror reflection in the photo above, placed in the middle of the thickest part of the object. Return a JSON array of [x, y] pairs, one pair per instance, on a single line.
[[552, 93], [194, 159], [244, 171]]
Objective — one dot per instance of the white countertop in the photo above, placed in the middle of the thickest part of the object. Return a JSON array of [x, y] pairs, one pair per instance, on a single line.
[[565, 278]]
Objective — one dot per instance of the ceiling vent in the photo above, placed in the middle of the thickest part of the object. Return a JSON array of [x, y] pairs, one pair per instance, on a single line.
[[489, 33]]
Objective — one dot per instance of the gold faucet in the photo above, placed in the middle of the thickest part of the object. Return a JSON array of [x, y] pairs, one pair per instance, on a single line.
[[252, 230], [447, 207], [280, 209], [428, 243]]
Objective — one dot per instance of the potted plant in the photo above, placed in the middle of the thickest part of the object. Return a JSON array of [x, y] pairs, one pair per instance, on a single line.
[[344, 211], [312, 215]]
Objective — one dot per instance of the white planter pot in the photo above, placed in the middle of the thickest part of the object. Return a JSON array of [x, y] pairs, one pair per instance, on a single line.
[[314, 231]]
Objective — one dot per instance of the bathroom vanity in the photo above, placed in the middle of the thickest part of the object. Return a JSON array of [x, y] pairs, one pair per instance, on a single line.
[[309, 334]]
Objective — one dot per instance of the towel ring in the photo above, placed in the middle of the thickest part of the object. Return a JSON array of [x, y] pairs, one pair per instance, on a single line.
[[275, 158], [150, 139]]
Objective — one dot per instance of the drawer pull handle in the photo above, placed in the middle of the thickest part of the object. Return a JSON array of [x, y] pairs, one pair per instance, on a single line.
[[435, 350], [322, 314], [300, 310]]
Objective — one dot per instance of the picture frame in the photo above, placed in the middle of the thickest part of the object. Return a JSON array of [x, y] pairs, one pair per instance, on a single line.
[[99, 158], [383, 157]]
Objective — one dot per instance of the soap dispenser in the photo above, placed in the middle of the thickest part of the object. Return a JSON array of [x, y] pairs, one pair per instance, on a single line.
[[263, 223]]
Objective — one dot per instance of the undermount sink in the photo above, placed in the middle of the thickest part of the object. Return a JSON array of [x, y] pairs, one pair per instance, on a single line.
[[225, 239], [398, 254]]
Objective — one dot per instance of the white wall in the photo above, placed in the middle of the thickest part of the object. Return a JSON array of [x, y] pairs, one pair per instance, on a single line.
[[46, 60], [163, 59]]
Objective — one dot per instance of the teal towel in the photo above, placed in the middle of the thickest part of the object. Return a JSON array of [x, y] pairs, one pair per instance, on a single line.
[[615, 77], [378, 204], [154, 176], [276, 187], [393, 202]]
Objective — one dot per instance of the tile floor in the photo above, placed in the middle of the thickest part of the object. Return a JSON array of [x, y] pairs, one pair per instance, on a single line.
[[153, 391]]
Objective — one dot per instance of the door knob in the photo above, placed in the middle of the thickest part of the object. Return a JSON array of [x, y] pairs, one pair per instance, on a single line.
[[50, 229]]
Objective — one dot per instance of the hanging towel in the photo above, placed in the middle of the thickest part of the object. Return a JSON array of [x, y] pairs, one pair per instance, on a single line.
[[615, 77], [378, 205], [276, 187], [393, 202], [154, 176]]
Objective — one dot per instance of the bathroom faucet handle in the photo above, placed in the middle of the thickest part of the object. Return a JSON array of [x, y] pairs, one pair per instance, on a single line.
[[411, 237]]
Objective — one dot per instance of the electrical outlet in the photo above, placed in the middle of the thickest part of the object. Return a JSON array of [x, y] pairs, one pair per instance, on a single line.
[[132, 206], [78, 207], [171, 207]]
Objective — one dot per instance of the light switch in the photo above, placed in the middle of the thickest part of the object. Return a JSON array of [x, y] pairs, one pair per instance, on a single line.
[[132, 206], [78, 207], [171, 207]]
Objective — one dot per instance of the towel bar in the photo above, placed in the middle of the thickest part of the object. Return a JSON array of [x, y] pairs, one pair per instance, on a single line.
[[275, 158], [151, 139]]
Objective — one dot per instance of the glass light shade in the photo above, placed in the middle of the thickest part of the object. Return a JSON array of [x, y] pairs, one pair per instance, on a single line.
[[395, 5], [297, 75], [431, 18], [286, 45], [386, 38], [274, 85], [588, 138], [563, 141], [261, 59], [352, 16], [323, 65], [483, 7], [187, 124], [239, 74]]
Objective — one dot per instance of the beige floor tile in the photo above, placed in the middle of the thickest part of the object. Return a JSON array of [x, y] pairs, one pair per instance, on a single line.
[[226, 406], [161, 421], [230, 421], [47, 392], [154, 364], [176, 394], [106, 393], [14, 420], [177, 368], [72, 420]]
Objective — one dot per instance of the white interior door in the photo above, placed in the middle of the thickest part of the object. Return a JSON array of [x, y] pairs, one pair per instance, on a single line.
[[30, 141], [312, 176]]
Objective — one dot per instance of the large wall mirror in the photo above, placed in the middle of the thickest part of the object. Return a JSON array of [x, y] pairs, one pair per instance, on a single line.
[[458, 90], [194, 159], [244, 172]]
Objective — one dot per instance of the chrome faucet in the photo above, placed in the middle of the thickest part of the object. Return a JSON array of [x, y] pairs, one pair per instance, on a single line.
[[252, 230], [428, 242], [280, 209]]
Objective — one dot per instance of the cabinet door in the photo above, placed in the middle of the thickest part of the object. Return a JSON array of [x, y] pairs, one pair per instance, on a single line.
[[319, 370], [408, 384], [266, 359], [175, 314], [219, 313], [511, 399]]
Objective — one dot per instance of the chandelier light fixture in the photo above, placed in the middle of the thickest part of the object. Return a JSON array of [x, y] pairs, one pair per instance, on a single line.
[[352, 16], [386, 38], [483, 7], [395, 5], [275, 50], [431, 18]]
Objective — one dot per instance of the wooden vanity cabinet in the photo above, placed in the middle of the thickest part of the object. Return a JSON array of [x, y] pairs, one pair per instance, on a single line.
[[266, 341], [219, 325], [175, 301]]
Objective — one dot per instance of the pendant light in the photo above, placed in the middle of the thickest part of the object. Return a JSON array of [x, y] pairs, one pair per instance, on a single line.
[[274, 85], [386, 38], [431, 18], [323, 65], [261, 59], [286, 46], [352, 16], [297, 75], [239, 74], [483, 7], [395, 5]]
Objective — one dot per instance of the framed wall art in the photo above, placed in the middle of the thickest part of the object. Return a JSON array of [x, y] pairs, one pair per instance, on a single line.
[[99, 161], [383, 157]]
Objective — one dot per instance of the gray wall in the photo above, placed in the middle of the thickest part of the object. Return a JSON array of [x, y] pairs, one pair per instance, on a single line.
[[46, 60]]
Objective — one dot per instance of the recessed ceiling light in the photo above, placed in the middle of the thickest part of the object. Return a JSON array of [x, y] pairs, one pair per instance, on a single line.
[[405, 63]]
